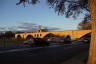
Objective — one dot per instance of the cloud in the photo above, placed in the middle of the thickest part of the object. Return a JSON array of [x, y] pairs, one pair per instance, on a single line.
[[51, 28], [27, 27], [3, 29], [32, 27], [23, 27], [13, 28]]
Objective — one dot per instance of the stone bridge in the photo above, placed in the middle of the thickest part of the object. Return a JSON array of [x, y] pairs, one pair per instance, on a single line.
[[72, 33]]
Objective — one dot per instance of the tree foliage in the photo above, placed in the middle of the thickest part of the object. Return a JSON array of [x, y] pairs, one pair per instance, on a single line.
[[7, 35], [2, 35], [85, 25], [64, 7]]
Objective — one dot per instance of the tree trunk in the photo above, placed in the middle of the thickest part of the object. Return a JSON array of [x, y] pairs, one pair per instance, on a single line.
[[92, 50]]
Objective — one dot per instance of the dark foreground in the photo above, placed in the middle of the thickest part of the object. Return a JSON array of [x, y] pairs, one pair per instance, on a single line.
[[42, 55]]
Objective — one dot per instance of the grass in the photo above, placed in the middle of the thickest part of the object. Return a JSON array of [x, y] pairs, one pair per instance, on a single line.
[[9, 41]]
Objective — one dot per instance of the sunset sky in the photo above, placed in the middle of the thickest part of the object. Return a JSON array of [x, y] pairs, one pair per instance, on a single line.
[[13, 17]]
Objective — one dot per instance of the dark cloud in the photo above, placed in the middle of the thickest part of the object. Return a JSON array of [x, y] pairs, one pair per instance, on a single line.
[[3, 28], [52, 28], [24, 27], [12, 28], [27, 27], [28, 24], [32, 27]]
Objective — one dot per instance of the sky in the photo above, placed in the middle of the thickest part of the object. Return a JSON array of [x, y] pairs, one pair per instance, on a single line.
[[13, 17]]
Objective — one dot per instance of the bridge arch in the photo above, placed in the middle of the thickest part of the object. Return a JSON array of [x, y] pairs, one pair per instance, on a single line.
[[19, 37], [86, 35], [29, 37], [49, 35]]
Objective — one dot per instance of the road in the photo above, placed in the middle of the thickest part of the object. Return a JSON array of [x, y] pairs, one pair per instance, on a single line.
[[41, 55]]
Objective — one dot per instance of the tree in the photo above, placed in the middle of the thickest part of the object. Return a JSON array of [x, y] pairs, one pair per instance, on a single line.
[[9, 34], [84, 25], [2, 35], [73, 8], [92, 52]]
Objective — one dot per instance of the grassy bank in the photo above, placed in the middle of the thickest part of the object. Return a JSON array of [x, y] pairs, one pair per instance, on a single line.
[[8, 41]]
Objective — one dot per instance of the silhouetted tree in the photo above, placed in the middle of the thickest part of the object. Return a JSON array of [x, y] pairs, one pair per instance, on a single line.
[[68, 7], [84, 25], [2, 35], [9, 34]]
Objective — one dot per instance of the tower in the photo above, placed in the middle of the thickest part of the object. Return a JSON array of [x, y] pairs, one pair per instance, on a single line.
[[39, 28]]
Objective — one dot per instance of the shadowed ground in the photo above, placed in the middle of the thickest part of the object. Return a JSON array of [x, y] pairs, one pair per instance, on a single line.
[[43, 55]]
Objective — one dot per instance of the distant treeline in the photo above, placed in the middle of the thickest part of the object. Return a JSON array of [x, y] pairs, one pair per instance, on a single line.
[[7, 35]]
